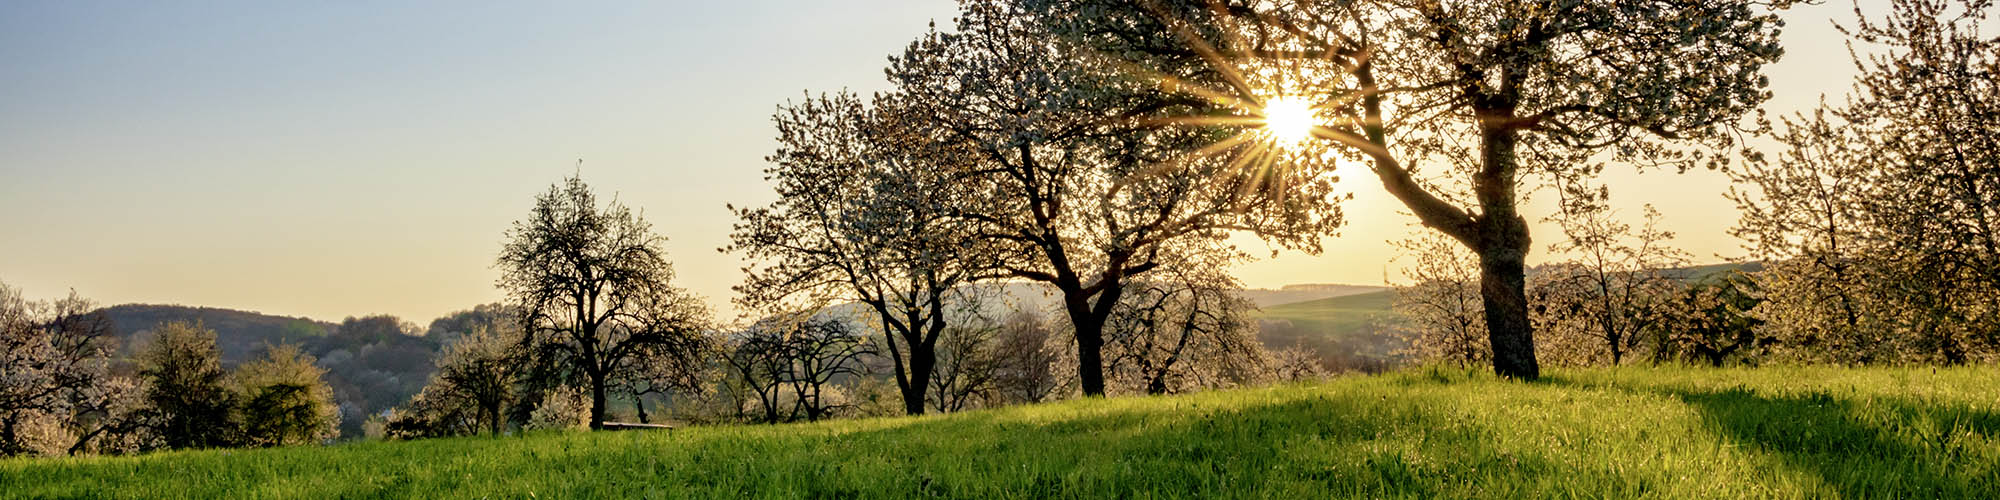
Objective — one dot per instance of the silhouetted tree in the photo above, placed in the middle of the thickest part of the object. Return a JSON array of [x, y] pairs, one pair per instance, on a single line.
[[1181, 329], [188, 405], [865, 198], [967, 369], [802, 356], [593, 286], [1484, 93], [1710, 320], [1084, 192], [1446, 318], [1024, 360]]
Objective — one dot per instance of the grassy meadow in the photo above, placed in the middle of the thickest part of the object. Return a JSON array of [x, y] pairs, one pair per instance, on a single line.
[[1417, 433]]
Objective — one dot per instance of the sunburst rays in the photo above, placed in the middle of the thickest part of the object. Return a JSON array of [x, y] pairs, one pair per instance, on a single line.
[[1275, 105]]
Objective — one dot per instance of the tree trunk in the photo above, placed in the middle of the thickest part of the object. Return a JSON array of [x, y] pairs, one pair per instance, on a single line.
[[1502, 285], [1088, 322], [596, 401], [493, 424], [1090, 355], [639, 401], [916, 392]]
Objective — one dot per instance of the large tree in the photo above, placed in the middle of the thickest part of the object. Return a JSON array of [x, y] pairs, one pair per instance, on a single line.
[[865, 198], [1085, 191], [1454, 104], [592, 284]]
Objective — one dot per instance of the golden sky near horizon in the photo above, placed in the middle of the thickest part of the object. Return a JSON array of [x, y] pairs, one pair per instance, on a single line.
[[327, 160]]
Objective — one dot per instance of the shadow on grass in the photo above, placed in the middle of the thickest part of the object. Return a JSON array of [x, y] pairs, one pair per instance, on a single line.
[[1865, 446]]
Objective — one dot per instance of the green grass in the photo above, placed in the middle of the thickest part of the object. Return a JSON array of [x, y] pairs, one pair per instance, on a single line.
[[1630, 432]]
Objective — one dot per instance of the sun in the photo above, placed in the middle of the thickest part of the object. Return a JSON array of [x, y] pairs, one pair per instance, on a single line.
[[1289, 119]]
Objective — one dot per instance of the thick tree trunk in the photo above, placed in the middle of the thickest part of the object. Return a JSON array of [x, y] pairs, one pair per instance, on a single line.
[[1502, 287], [596, 401], [916, 391], [496, 414], [1090, 355]]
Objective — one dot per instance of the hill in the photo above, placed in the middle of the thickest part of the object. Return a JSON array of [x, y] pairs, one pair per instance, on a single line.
[[1265, 297], [1655, 432], [1349, 332]]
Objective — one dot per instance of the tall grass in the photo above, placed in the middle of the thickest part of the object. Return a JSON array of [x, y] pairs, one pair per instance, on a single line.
[[1420, 433]]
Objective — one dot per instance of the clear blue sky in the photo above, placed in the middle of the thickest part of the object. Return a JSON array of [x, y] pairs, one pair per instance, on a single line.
[[329, 159]]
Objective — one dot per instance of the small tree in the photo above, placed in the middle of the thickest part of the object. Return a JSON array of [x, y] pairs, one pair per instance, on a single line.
[[594, 289], [471, 389], [1184, 329], [1025, 363], [188, 405], [967, 368], [285, 399], [1613, 290], [1710, 320], [1442, 303], [792, 364]]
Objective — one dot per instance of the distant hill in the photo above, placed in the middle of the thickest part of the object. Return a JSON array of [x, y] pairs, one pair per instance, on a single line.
[[239, 334], [1356, 330], [1288, 294], [372, 367], [1349, 332], [1707, 270]]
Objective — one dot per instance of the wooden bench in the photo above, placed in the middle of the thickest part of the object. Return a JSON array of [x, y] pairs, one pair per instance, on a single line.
[[628, 426]]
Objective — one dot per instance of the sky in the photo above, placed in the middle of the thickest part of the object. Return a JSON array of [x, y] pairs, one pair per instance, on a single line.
[[333, 159]]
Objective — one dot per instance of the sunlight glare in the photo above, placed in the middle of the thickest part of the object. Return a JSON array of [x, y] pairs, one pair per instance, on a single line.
[[1288, 119]]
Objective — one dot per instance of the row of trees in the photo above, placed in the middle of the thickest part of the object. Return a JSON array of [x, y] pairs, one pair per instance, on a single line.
[[1873, 225], [1879, 213], [594, 314], [61, 391]]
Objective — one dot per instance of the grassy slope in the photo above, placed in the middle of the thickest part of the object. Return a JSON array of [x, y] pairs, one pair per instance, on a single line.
[[1671, 433], [1343, 330], [1336, 312]]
